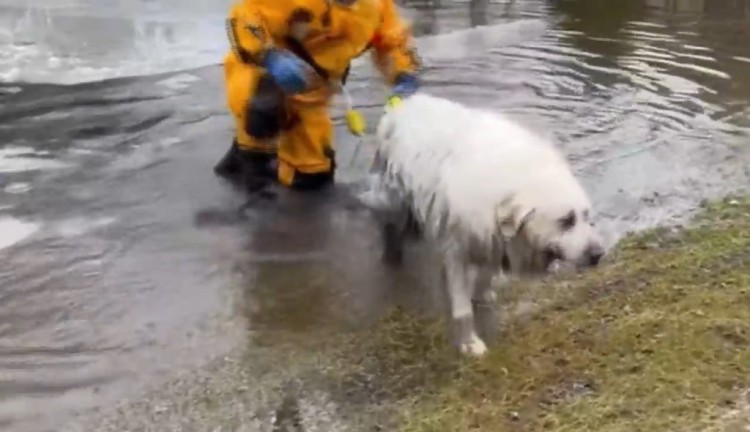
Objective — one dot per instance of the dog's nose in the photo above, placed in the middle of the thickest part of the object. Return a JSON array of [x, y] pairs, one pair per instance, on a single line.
[[595, 255]]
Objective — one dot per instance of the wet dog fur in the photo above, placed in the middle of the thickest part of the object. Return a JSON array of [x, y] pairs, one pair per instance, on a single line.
[[487, 193]]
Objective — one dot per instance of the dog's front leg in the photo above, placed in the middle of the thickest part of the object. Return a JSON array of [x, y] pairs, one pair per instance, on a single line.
[[486, 318], [460, 280]]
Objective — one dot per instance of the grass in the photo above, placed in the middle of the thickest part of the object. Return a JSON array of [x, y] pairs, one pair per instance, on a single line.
[[658, 339]]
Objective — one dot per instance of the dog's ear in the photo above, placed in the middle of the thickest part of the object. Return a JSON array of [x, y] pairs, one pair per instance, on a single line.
[[511, 216]]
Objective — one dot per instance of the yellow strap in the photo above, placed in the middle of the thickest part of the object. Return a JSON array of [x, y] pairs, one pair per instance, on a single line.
[[356, 122], [394, 101]]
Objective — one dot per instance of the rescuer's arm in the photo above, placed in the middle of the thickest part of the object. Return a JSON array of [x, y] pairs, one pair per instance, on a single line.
[[251, 29], [393, 52]]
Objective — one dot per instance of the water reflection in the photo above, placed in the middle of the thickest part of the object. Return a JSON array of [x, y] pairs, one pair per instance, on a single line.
[[678, 5], [430, 17], [727, 9], [597, 26], [425, 21], [292, 283], [670, 47], [311, 265], [478, 12]]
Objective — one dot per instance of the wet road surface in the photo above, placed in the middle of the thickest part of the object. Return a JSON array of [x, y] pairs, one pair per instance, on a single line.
[[124, 260]]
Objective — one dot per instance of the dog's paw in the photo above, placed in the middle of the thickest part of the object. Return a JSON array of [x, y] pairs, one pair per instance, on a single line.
[[474, 347]]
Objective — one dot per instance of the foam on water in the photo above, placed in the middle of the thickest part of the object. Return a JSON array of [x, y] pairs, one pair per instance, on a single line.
[[80, 226], [13, 231], [10, 90], [179, 82], [17, 188], [20, 159]]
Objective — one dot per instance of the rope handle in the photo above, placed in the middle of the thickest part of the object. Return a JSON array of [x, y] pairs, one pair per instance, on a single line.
[[355, 121]]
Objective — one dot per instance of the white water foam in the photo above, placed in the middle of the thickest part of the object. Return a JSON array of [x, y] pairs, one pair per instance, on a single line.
[[17, 188], [10, 90], [20, 159], [179, 82], [13, 231], [80, 226]]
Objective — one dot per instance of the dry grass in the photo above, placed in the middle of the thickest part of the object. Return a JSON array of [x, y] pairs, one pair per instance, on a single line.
[[657, 340]]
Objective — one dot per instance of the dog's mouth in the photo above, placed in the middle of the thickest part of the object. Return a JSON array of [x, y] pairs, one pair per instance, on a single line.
[[557, 262], [551, 255], [554, 261], [544, 261]]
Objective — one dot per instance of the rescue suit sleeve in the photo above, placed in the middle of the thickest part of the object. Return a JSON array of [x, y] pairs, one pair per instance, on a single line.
[[393, 52], [248, 32]]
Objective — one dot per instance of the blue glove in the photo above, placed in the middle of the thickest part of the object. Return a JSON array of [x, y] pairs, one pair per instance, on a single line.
[[289, 72], [405, 85]]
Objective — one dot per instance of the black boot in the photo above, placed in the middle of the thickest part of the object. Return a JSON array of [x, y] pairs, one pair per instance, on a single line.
[[312, 182], [258, 170], [229, 166], [317, 181], [247, 170]]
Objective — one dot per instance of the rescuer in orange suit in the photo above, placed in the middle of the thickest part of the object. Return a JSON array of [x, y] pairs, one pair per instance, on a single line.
[[287, 60]]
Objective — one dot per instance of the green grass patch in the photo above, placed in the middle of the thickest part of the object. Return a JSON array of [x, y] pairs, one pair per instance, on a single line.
[[657, 339]]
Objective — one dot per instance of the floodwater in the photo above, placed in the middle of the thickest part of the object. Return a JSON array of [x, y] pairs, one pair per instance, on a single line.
[[123, 260]]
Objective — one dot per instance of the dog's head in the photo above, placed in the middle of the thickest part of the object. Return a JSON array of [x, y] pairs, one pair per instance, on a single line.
[[552, 228]]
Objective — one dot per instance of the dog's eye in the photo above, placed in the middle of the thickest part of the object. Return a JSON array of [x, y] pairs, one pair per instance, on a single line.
[[568, 222]]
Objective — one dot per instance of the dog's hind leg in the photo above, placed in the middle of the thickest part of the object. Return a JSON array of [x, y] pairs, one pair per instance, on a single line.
[[484, 292], [393, 243], [394, 233], [460, 279]]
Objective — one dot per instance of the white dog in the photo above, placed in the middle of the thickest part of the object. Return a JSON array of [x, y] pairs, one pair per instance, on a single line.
[[488, 193]]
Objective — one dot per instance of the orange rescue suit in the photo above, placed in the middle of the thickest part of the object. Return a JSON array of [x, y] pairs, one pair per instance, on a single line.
[[333, 34]]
